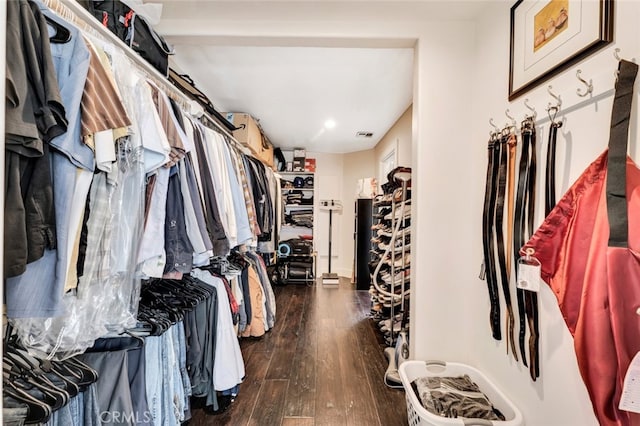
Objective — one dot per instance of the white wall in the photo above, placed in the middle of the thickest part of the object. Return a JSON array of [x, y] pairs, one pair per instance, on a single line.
[[559, 396], [399, 138], [442, 225], [328, 184]]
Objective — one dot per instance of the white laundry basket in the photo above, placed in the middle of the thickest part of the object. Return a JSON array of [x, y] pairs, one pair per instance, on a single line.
[[419, 416]]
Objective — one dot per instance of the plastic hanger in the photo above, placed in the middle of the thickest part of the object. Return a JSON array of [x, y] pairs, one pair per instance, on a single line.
[[42, 370], [38, 412], [62, 35]]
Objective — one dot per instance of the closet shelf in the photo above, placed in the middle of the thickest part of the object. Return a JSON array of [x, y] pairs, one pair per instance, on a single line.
[[296, 173]]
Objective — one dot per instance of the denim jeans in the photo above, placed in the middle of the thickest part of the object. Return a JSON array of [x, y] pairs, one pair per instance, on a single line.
[[153, 376], [91, 410], [182, 362], [13, 413], [113, 393]]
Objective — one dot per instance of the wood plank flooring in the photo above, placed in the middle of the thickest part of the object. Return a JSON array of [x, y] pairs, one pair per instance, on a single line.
[[322, 364]]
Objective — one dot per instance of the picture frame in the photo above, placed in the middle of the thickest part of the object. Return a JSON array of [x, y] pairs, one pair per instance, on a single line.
[[549, 36]]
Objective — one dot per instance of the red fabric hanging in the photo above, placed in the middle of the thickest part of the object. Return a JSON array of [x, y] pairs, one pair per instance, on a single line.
[[597, 285]]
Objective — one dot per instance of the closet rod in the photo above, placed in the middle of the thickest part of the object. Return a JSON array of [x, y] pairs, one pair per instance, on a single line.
[[72, 11]]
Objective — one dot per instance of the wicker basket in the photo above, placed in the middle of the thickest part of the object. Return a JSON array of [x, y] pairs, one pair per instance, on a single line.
[[419, 416]]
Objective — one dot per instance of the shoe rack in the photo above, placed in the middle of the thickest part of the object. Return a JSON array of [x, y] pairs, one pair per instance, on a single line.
[[390, 262]]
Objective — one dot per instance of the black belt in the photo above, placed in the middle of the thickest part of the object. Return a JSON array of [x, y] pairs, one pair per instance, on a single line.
[[550, 173], [488, 216], [524, 211], [617, 156]]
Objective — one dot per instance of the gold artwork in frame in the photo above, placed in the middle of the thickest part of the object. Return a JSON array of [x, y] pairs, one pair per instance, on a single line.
[[548, 36]]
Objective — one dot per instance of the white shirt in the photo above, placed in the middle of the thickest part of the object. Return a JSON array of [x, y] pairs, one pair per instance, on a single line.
[[151, 253], [228, 367]]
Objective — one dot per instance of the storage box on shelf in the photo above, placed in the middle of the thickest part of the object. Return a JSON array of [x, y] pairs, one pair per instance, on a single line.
[[297, 228], [251, 135]]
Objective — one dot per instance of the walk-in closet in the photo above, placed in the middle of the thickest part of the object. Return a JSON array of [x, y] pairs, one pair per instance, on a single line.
[[321, 213]]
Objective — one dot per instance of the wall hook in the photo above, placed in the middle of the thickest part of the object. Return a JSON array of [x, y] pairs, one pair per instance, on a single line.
[[554, 96], [493, 125], [616, 54], [589, 85], [510, 117], [530, 108]]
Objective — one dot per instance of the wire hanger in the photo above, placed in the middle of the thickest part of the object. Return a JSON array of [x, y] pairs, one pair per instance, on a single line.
[[589, 85]]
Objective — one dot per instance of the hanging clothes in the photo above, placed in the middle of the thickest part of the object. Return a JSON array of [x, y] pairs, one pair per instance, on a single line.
[[589, 248], [34, 115]]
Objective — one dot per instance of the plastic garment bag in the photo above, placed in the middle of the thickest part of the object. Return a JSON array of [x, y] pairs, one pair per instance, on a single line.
[[589, 248]]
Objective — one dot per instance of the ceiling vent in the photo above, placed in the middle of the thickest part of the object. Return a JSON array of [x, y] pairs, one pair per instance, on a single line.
[[364, 134]]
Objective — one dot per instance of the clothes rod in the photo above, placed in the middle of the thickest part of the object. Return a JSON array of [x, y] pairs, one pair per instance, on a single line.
[[73, 12]]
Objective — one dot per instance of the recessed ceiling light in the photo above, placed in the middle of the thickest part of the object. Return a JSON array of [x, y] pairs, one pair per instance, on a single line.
[[363, 134], [329, 124]]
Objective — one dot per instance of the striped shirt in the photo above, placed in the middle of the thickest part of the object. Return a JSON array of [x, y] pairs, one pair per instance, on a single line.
[[101, 106], [246, 191], [165, 112]]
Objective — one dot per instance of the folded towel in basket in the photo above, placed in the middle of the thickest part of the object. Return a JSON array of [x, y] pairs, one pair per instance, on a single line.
[[455, 397]]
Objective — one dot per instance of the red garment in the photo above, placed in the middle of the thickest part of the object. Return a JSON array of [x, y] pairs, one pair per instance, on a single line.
[[589, 250], [597, 286]]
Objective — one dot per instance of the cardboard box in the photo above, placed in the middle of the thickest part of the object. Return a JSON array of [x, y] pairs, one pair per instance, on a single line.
[[248, 133], [266, 155]]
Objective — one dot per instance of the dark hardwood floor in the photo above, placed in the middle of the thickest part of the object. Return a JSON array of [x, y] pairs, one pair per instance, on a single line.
[[322, 364]]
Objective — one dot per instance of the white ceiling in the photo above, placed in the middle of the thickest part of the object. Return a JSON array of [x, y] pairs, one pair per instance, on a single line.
[[293, 91], [292, 85]]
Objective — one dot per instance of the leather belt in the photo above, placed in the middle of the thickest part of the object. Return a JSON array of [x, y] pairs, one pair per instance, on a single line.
[[550, 171], [488, 223], [499, 231], [499, 215], [510, 320], [524, 210]]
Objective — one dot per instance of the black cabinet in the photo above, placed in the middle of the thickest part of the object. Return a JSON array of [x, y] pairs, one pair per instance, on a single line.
[[363, 224]]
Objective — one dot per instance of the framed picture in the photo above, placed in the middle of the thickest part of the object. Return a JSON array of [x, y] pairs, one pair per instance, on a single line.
[[548, 36]]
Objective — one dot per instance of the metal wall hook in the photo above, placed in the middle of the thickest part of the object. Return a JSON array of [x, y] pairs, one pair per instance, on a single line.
[[554, 96], [530, 108], [552, 111], [510, 117], [589, 85], [494, 125], [616, 54]]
